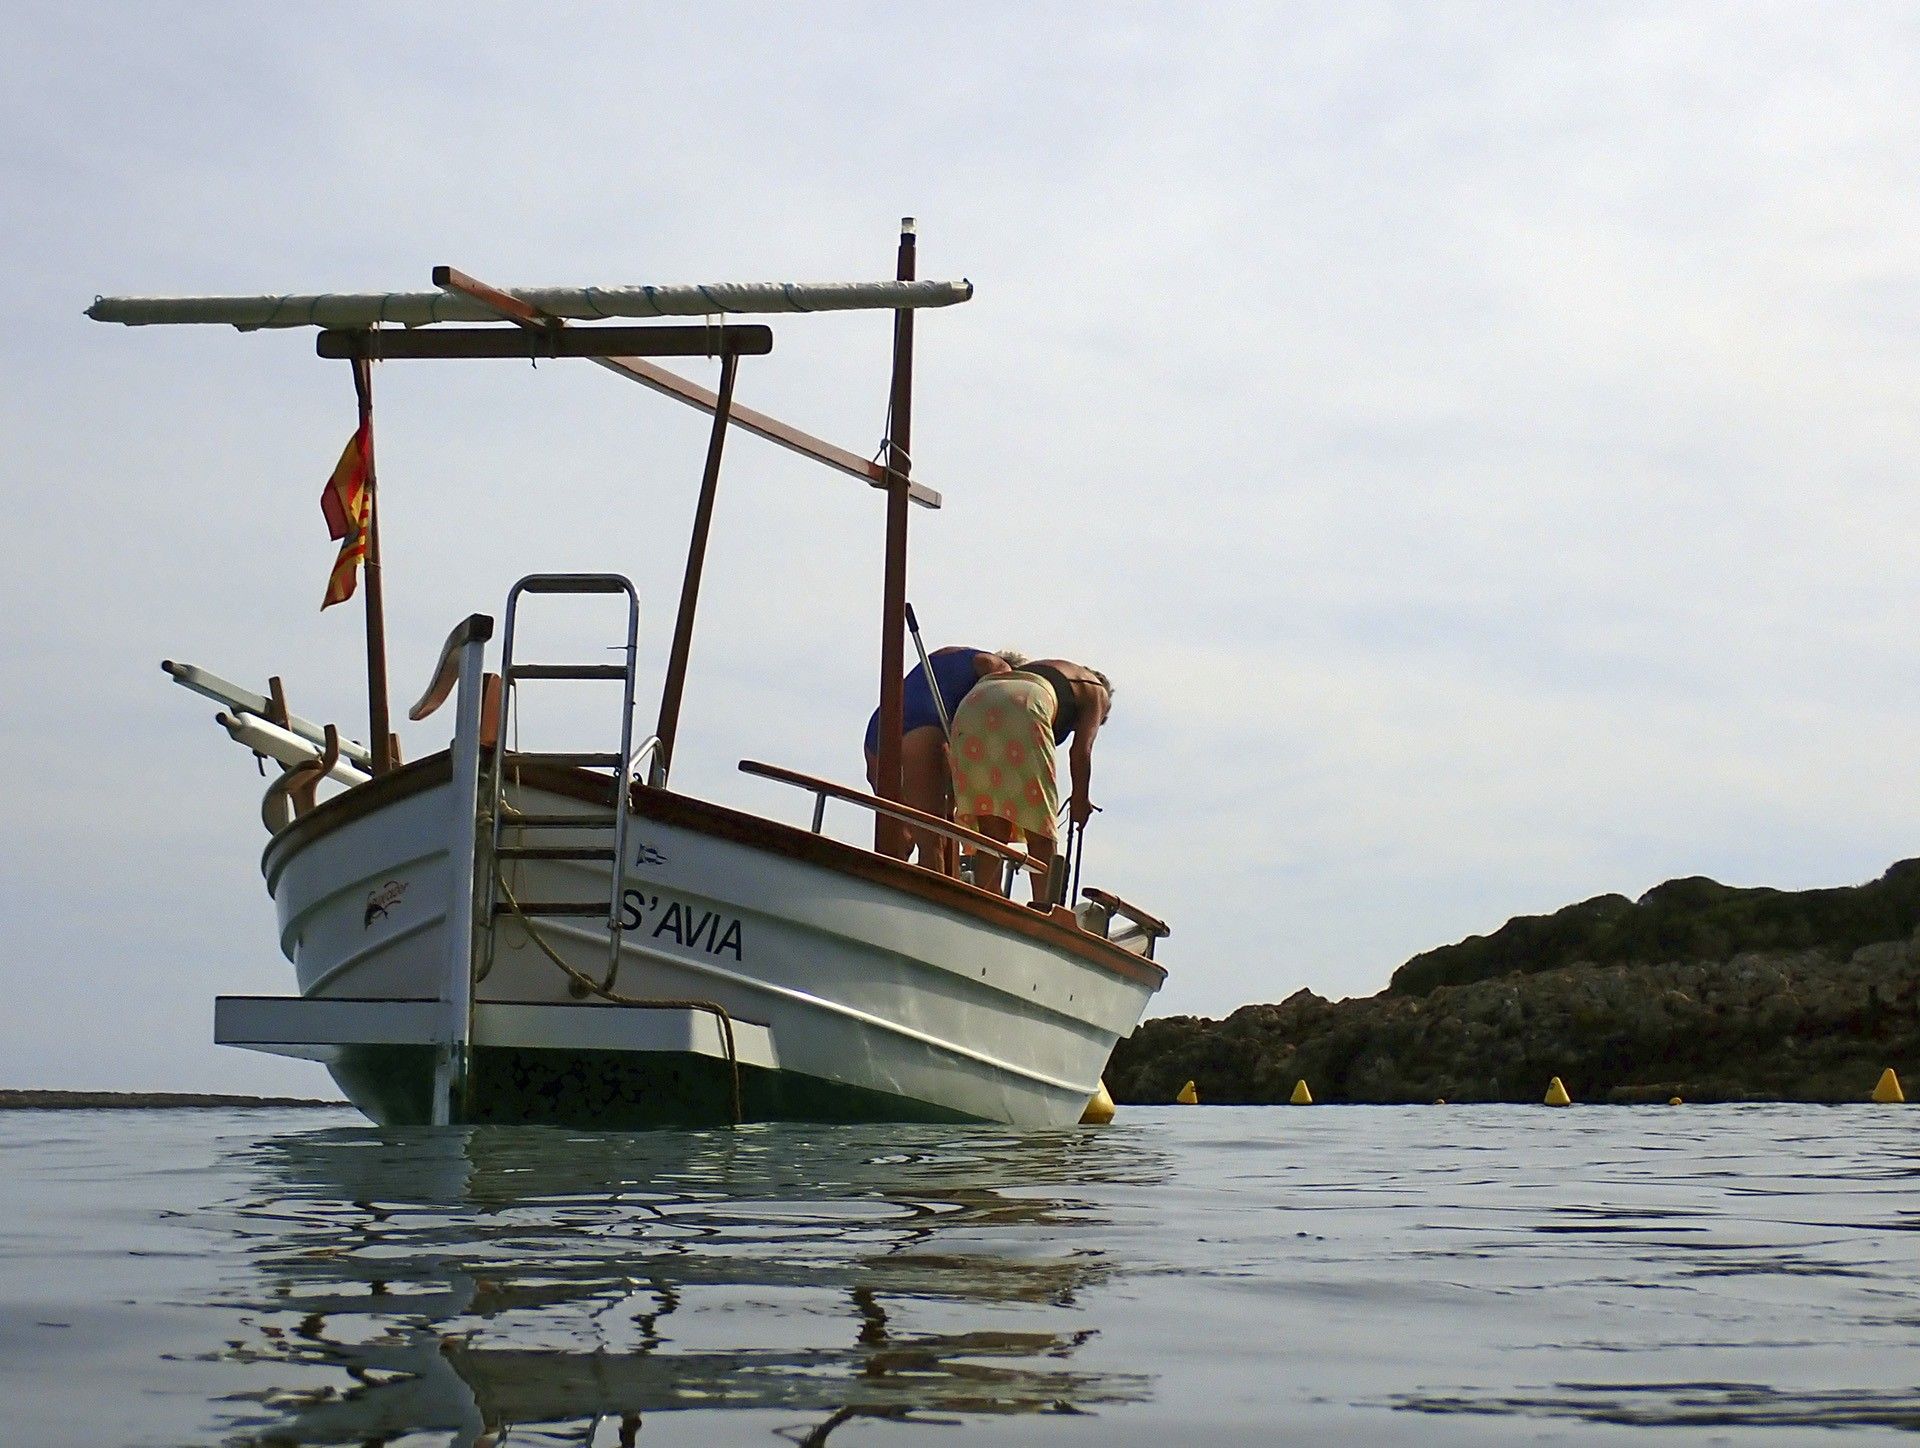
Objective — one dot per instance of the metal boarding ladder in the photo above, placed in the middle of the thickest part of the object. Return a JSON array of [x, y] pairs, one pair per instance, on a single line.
[[513, 674]]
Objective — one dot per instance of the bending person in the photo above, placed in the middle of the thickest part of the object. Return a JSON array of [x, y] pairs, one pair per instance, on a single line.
[[1005, 780], [925, 775]]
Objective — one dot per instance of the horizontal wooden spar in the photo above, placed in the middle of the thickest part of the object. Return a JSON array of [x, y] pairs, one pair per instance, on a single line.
[[580, 304], [516, 308], [389, 344]]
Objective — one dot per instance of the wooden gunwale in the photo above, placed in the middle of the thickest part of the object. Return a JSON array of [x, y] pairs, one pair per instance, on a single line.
[[906, 813], [719, 822]]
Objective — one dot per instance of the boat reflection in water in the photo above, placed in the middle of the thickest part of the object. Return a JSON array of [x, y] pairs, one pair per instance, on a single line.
[[475, 1281]]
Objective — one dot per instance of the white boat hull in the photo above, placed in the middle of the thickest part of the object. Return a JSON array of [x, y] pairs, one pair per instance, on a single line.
[[855, 992]]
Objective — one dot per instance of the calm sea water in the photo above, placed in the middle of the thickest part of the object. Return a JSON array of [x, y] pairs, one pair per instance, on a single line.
[[1326, 1274]]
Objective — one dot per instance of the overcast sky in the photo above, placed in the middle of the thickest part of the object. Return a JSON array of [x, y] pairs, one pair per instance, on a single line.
[[1478, 440]]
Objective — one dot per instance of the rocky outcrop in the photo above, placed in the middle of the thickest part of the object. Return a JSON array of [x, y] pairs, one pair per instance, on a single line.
[[1816, 1020], [1691, 919]]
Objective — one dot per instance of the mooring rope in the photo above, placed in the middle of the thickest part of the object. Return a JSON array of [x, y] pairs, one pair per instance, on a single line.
[[594, 987]]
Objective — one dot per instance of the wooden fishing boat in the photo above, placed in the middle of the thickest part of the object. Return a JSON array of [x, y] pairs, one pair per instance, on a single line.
[[499, 933]]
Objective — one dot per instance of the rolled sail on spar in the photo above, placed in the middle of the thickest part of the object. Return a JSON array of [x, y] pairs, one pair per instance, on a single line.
[[579, 304]]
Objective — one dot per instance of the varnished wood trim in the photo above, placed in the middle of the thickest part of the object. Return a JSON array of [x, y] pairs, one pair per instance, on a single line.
[[719, 822], [1127, 910], [1019, 858], [830, 854], [357, 803]]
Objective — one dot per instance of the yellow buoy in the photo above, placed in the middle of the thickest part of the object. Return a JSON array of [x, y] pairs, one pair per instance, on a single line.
[[1301, 1096], [1439, 1101], [1188, 1096], [1557, 1094], [1675, 1101], [1888, 1092], [1099, 1108]]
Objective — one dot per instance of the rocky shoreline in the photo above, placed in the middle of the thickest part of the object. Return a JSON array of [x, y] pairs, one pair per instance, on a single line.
[[1735, 995], [22, 1100]]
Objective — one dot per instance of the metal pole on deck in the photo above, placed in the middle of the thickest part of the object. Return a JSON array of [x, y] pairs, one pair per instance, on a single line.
[[676, 681], [926, 667], [893, 616], [380, 745]]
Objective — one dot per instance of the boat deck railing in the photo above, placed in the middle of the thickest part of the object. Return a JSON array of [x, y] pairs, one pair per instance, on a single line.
[[1138, 930], [825, 789]]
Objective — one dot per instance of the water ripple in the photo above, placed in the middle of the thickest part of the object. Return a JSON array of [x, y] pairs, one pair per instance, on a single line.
[[1351, 1273]]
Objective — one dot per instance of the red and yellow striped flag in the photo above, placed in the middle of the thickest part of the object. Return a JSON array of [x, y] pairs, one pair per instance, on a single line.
[[347, 504]]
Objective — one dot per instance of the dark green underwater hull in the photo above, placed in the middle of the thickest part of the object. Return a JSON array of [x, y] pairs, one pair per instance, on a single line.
[[608, 1090]]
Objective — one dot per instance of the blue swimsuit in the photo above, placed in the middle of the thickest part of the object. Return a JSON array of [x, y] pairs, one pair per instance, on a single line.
[[956, 675]]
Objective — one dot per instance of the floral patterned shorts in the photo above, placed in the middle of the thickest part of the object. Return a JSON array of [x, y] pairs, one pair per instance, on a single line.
[[1003, 755]]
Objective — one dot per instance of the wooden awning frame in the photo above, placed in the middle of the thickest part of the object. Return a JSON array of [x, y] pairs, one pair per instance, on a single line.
[[355, 333]]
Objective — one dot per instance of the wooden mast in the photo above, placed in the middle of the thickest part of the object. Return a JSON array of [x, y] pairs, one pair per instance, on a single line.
[[380, 745], [893, 614]]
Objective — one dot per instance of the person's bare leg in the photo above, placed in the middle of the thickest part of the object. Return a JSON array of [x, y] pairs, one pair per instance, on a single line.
[[1040, 851], [926, 782], [990, 871], [889, 834], [949, 845]]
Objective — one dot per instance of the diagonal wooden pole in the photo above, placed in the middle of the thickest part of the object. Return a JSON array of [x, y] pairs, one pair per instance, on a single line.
[[676, 682], [720, 404], [672, 384]]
